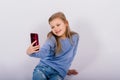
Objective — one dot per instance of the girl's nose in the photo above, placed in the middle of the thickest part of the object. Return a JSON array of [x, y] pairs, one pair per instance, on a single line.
[[56, 28]]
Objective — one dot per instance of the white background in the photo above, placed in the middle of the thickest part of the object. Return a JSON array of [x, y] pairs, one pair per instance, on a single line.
[[96, 21]]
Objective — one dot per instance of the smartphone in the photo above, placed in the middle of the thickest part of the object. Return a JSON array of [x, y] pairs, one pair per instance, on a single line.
[[34, 36]]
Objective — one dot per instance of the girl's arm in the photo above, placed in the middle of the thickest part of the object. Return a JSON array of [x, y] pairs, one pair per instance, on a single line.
[[44, 51], [76, 40]]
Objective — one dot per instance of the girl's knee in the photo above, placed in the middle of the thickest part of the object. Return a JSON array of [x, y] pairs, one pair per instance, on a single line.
[[56, 77], [39, 75]]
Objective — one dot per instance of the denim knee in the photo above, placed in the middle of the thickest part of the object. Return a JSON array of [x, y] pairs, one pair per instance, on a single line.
[[55, 77], [38, 75]]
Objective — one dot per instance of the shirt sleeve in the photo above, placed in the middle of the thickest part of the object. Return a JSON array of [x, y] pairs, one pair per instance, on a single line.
[[76, 41], [47, 48]]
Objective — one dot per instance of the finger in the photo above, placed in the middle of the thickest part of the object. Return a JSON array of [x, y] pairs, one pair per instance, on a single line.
[[36, 51], [35, 48], [74, 72], [33, 42], [69, 72], [38, 46]]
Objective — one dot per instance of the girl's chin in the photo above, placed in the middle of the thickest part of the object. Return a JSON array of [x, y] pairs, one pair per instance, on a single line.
[[58, 35]]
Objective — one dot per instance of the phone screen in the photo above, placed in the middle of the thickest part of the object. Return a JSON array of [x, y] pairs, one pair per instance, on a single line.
[[34, 36]]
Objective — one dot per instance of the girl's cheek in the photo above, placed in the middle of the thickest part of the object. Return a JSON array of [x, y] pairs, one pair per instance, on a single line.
[[53, 31]]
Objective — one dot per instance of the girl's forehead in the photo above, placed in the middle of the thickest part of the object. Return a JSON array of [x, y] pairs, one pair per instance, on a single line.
[[56, 20]]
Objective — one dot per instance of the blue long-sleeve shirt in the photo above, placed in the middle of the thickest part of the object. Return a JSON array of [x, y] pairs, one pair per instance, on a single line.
[[62, 61]]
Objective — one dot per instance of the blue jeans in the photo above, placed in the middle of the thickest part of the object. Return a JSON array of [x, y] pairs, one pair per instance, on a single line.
[[45, 72]]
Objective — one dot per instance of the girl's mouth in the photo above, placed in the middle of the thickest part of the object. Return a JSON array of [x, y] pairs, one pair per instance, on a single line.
[[57, 32]]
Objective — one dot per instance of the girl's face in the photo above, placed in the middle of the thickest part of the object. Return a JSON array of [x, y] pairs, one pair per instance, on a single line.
[[58, 27]]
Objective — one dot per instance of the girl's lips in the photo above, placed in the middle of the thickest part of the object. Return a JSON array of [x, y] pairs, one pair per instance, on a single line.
[[57, 32]]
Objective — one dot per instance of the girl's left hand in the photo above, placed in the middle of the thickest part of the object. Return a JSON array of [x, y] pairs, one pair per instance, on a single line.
[[32, 49]]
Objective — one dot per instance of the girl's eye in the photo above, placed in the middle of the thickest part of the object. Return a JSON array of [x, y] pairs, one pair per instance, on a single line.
[[52, 27], [58, 24]]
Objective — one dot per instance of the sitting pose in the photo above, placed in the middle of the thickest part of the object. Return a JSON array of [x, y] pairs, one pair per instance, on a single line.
[[58, 51]]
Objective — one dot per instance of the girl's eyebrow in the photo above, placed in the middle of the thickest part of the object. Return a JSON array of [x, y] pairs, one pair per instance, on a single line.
[[55, 24], [51, 26]]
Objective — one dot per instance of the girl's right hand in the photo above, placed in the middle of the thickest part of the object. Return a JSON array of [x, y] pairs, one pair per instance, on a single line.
[[72, 72], [32, 49]]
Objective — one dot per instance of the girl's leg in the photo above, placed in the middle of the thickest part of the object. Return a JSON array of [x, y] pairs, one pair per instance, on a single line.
[[55, 77], [38, 75]]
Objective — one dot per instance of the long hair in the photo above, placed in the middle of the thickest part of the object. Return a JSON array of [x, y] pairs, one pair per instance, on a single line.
[[68, 32]]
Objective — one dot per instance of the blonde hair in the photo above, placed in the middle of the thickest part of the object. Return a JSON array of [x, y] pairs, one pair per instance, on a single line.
[[68, 33]]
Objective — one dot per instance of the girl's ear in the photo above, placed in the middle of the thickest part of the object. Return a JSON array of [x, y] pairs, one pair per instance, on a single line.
[[66, 22]]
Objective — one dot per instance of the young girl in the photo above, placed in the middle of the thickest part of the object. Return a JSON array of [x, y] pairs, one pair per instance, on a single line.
[[57, 53]]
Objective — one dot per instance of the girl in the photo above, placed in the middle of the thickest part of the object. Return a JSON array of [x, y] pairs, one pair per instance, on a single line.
[[57, 53]]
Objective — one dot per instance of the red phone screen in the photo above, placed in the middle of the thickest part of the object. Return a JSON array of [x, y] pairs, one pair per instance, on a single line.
[[34, 36]]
